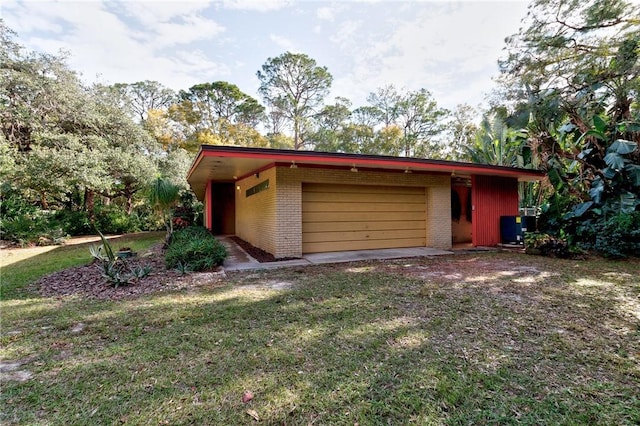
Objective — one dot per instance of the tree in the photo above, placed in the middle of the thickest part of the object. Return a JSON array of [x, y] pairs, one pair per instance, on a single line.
[[164, 197], [461, 129], [294, 86], [573, 70], [583, 53], [67, 139], [143, 96], [421, 121], [329, 126], [497, 144], [218, 113], [385, 100]]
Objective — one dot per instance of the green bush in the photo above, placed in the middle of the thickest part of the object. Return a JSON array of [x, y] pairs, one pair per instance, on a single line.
[[196, 247], [114, 219], [617, 237], [74, 222], [34, 228], [546, 245]]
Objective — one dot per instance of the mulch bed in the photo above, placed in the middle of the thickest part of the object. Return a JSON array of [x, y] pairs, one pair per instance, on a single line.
[[87, 280], [257, 253]]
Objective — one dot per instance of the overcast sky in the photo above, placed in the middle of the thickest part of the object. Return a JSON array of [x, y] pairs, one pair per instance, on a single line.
[[450, 48]]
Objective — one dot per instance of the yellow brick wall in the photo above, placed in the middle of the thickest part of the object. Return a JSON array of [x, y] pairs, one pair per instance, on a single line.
[[256, 214], [439, 217]]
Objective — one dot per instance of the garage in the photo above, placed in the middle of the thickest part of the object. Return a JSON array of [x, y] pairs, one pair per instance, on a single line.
[[361, 217]]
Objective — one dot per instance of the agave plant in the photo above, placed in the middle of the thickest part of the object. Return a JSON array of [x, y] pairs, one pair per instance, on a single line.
[[114, 270]]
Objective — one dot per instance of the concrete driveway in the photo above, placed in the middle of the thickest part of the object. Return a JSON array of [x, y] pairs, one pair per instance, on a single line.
[[240, 260]]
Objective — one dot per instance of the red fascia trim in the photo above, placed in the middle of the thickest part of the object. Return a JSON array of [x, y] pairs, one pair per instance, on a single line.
[[414, 165]]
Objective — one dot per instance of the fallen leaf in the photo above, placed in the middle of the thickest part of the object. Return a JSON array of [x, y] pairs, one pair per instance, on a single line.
[[254, 414]]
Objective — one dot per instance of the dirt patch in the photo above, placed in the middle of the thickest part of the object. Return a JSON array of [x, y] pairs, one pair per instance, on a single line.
[[87, 280], [10, 370], [257, 253]]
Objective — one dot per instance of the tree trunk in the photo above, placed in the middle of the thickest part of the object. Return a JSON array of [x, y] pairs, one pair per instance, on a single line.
[[89, 204], [43, 201], [128, 193], [296, 134]]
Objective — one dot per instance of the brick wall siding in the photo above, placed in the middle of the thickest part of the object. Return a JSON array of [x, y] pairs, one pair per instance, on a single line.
[[256, 215]]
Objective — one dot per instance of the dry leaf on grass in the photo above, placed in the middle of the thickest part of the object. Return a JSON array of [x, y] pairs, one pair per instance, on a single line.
[[254, 414]]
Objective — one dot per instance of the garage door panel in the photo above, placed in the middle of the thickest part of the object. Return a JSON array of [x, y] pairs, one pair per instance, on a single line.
[[363, 226], [362, 207], [361, 245], [358, 216], [360, 189], [316, 237], [351, 197]]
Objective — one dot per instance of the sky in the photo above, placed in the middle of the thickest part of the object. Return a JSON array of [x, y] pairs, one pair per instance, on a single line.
[[450, 48]]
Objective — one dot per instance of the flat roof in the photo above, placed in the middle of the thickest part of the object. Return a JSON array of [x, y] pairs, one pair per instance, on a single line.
[[230, 163]]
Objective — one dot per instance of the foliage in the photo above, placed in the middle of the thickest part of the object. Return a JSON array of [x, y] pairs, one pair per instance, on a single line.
[[496, 143], [112, 266], [24, 223], [294, 86], [182, 268], [142, 97], [115, 269], [546, 245], [70, 145], [217, 113], [573, 70], [194, 248], [421, 120], [189, 212], [582, 53], [141, 271], [461, 130], [394, 123], [163, 198], [616, 237]]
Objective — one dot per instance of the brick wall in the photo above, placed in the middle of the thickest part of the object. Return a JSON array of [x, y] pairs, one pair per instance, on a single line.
[[439, 217], [256, 214]]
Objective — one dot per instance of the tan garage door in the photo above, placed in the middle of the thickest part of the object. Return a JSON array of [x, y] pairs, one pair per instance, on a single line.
[[359, 217]]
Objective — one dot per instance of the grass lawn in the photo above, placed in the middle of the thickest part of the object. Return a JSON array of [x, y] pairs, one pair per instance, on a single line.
[[490, 338]]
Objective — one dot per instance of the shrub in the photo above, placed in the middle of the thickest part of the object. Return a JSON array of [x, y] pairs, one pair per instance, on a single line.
[[113, 219], [21, 221], [115, 270], [617, 237], [194, 248], [546, 245], [31, 228], [74, 222]]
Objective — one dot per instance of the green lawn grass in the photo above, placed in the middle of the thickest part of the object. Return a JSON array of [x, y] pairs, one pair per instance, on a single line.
[[466, 339], [15, 276]]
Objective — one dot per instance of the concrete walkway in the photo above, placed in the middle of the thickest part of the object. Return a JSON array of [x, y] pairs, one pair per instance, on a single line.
[[240, 260]]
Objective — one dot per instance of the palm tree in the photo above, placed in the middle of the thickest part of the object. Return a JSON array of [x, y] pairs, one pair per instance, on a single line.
[[163, 197], [497, 144]]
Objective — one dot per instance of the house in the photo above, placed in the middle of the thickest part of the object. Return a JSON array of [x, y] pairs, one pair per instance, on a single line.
[[289, 203]]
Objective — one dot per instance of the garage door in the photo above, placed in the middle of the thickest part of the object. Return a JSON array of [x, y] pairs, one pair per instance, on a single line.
[[359, 217]]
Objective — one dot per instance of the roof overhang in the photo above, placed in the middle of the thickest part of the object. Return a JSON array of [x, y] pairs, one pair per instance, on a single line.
[[230, 163]]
